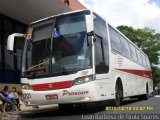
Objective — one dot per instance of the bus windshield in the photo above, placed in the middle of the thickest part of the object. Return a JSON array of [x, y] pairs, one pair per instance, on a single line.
[[57, 47]]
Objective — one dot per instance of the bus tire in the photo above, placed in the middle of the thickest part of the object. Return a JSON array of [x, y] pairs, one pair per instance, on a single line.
[[65, 107], [118, 95]]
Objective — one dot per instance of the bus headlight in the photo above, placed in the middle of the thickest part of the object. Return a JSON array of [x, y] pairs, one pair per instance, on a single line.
[[84, 79], [26, 87]]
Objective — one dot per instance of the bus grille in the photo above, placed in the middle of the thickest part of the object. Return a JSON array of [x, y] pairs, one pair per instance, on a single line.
[[52, 86]]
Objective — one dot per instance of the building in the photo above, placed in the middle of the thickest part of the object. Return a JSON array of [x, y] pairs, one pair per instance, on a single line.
[[15, 15]]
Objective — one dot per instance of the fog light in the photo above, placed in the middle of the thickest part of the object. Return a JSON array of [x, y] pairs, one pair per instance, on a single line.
[[87, 98]]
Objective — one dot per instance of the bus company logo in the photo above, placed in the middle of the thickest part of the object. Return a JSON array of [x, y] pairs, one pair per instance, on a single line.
[[65, 92], [50, 86]]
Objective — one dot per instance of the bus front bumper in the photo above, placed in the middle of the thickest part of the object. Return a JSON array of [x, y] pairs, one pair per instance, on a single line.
[[75, 94]]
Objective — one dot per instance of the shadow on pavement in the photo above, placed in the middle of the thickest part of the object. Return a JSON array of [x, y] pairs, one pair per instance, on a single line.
[[89, 109]]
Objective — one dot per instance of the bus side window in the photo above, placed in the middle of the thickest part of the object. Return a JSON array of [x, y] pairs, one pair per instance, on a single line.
[[148, 63], [100, 30], [139, 57], [133, 52], [125, 47], [144, 60], [99, 56], [115, 40]]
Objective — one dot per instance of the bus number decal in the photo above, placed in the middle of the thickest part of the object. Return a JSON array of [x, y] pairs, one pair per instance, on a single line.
[[26, 95]]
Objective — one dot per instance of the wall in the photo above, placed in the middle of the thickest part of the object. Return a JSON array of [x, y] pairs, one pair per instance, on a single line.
[[9, 63], [73, 4]]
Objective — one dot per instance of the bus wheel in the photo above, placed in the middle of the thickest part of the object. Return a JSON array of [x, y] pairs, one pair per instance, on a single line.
[[65, 107], [146, 96], [118, 96]]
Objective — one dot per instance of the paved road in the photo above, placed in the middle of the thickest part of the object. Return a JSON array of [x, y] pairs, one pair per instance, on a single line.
[[97, 111]]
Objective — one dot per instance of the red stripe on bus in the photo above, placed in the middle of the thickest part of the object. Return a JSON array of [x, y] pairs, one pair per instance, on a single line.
[[52, 86], [142, 73]]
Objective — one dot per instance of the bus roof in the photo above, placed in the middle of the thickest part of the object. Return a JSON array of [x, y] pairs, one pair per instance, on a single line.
[[50, 17]]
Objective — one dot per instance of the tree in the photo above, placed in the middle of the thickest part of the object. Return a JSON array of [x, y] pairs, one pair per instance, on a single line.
[[156, 75]]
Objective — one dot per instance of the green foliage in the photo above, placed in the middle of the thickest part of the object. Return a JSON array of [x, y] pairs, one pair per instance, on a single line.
[[149, 41], [156, 75]]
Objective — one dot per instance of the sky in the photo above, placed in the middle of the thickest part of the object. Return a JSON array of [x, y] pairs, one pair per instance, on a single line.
[[136, 13]]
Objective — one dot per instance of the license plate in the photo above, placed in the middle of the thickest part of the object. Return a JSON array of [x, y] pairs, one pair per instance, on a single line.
[[51, 97]]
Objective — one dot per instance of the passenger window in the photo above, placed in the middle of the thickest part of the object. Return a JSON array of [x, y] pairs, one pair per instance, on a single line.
[[139, 57], [144, 60], [99, 56], [148, 63], [115, 41], [125, 47], [133, 52]]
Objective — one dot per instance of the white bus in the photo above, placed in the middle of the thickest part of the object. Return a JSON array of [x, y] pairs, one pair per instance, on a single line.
[[76, 58]]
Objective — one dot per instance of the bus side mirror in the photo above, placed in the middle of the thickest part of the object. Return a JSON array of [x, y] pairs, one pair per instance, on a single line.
[[89, 24], [10, 41]]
